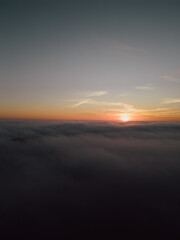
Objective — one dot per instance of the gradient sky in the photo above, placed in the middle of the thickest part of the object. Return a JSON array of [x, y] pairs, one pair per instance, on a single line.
[[90, 59]]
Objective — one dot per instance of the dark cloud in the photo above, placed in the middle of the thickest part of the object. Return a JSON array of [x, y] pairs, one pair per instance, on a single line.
[[58, 177]]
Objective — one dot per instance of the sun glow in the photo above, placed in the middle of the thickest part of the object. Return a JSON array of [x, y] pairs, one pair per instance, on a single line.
[[125, 118]]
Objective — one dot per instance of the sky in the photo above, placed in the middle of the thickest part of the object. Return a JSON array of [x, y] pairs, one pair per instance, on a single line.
[[93, 60]]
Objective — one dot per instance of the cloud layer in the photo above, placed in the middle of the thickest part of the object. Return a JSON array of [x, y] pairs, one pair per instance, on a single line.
[[59, 177]]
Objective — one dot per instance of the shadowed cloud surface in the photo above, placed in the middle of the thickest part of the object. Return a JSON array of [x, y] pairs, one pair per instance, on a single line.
[[68, 177]]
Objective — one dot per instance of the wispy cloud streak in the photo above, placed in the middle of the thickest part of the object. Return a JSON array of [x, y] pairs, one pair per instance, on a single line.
[[171, 100], [98, 93], [145, 88], [84, 101], [170, 78]]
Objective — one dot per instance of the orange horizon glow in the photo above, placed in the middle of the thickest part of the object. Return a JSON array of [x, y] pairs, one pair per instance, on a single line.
[[86, 117], [95, 111], [67, 113]]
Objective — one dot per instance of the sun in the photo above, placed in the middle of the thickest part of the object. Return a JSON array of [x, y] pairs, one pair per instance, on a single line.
[[125, 118]]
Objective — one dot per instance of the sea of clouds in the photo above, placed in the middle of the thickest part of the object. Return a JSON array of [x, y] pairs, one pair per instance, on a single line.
[[61, 177]]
